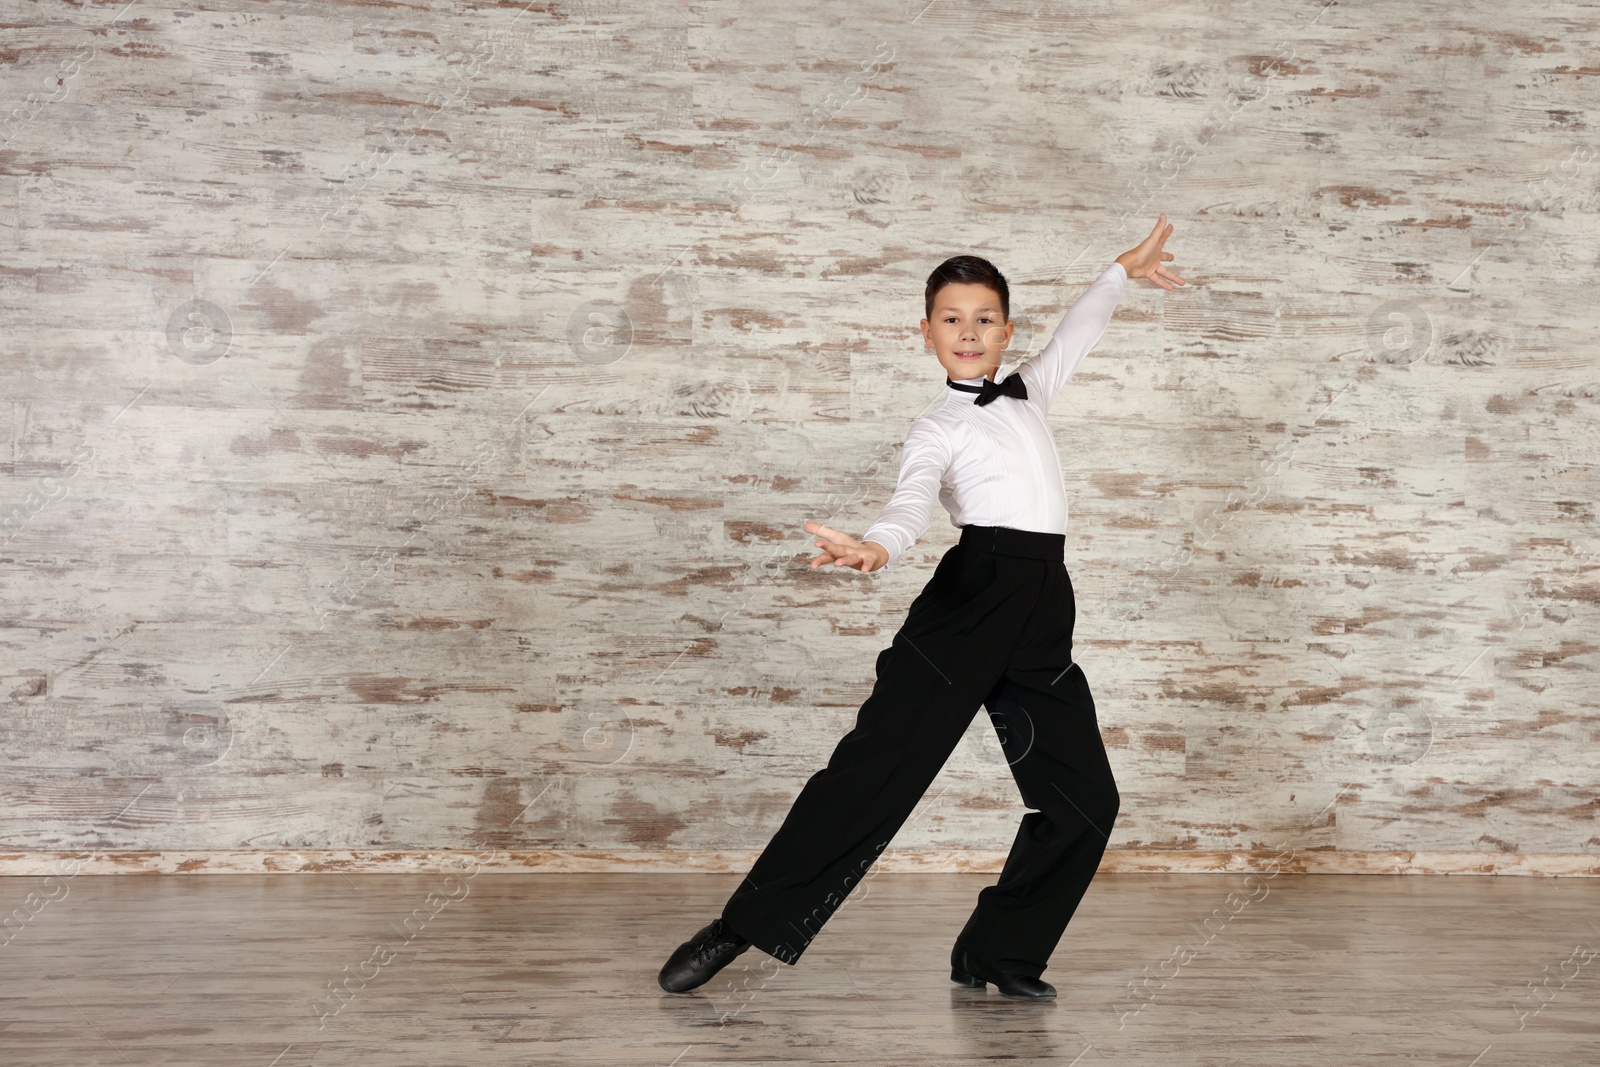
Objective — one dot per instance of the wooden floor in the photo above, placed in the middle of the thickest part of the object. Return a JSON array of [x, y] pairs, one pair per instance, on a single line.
[[561, 968]]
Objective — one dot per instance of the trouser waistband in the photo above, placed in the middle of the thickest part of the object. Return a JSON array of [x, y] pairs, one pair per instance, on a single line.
[[1004, 541]]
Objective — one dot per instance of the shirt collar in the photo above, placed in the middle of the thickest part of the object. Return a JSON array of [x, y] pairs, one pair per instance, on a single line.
[[965, 396]]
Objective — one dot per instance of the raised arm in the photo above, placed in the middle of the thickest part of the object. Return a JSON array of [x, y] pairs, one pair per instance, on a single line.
[[1079, 331], [1086, 320]]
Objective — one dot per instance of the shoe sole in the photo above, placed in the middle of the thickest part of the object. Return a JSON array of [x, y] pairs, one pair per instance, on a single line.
[[1012, 996]]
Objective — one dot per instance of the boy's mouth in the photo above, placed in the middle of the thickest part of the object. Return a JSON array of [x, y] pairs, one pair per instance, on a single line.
[[969, 355]]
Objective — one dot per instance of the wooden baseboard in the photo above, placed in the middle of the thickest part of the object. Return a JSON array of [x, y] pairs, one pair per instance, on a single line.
[[738, 861]]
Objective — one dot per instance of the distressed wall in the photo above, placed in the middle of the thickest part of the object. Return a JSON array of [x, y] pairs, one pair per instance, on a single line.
[[410, 416]]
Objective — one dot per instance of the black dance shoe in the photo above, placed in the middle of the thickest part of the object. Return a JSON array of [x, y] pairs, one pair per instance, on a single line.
[[700, 957], [970, 971]]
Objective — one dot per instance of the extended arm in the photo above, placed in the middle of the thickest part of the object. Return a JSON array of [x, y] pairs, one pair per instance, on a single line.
[[910, 509], [904, 518]]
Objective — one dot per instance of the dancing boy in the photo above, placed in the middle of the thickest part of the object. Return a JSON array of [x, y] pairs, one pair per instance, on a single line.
[[993, 627]]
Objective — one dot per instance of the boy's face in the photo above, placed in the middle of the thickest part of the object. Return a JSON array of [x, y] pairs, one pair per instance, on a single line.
[[967, 332]]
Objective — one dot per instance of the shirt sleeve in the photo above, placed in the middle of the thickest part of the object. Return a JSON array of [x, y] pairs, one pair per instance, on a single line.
[[1079, 331], [910, 510]]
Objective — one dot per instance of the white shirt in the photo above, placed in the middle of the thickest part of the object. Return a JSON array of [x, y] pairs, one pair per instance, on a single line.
[[996, 465]]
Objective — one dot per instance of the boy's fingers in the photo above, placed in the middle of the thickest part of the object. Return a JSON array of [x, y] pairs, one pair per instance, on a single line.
[[835, 553]]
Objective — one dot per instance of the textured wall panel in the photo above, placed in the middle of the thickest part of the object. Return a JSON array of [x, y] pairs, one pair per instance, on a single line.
[[409, 417]]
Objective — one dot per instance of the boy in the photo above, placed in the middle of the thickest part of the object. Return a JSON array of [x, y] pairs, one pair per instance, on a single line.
[[993, 627]]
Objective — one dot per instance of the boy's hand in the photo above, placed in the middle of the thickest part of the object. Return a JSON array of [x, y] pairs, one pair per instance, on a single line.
[[843, 550], [1144, 260]]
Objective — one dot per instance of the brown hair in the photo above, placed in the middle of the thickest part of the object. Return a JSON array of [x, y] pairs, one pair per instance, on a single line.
[[967, 269]]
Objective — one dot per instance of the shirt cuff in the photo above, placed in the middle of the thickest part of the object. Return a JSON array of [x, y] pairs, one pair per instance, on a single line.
[[890, 545]]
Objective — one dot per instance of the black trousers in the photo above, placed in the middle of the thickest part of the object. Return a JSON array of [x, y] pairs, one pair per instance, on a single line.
[[993, 627]]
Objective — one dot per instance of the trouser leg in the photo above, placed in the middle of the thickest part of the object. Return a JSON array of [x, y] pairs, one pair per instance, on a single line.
[[1045, 716], [956, 640]]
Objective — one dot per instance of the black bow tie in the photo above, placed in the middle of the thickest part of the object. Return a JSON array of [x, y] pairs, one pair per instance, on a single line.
[[1013, 385]]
